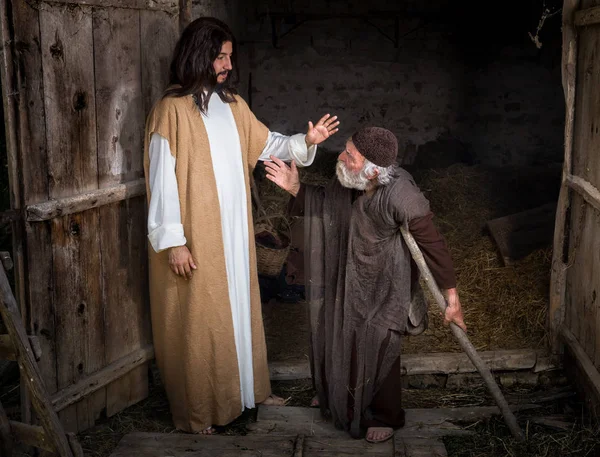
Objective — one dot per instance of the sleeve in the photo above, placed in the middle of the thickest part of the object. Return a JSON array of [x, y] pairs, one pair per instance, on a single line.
[[297, 203], [164, 217], [434, 249], [289, 148]]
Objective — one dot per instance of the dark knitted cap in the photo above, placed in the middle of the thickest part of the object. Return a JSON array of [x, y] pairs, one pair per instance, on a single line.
[[377, 144]]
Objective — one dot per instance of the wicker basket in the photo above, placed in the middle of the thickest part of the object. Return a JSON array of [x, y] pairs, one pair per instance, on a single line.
[[269, 259]]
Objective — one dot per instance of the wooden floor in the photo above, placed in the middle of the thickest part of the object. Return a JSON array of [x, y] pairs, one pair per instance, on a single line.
[[301, 432]]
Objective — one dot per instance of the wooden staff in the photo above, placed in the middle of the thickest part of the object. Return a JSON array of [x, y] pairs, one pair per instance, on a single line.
[[462, 338]]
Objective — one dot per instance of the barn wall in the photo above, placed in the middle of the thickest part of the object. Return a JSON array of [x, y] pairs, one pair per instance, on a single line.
[[453, 89]]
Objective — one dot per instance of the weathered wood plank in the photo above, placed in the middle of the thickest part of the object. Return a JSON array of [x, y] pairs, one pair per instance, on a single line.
[[120, 132], [432, 363], [31, 435], [32, 380], [317, 446], [583, 360], [419, 447], [277, 420], [67, 52], [101, 378], [7, 348], [170, 6], [159, 33], [450, 363], [30, 162], [183, 445], [589, 193], [586, 17], [127, 307], [88, 200]]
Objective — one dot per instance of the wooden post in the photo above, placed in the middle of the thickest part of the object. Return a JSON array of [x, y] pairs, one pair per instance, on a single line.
[[32, 378], [556, 310], [462, 338]]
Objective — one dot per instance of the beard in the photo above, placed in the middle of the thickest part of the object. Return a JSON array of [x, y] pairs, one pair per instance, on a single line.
[[351, 180]]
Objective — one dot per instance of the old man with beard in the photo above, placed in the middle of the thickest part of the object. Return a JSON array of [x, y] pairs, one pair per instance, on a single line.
[[361, 283]]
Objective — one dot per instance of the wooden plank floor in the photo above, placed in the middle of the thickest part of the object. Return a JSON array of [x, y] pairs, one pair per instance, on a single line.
[[283, 431], [185, 445]]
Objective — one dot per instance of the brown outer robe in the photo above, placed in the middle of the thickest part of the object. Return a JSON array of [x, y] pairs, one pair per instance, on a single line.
[[340, 383], [191, 320]]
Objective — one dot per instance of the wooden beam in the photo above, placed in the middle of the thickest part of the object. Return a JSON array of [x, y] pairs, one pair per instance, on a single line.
[[101, 378], [587, 17], [444, 363], [453, 363], [582, 359], [7, 348], [586, 189], [32, 378], [169, 6], [31, 435], [69, 205]]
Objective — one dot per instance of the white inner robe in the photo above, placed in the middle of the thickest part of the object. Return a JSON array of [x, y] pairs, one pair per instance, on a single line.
[[164, 218]]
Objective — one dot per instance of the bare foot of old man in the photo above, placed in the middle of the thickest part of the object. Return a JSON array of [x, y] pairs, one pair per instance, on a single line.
[[379, 434]]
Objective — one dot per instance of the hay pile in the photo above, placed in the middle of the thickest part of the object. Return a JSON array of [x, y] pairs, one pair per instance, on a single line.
[[505, 306]]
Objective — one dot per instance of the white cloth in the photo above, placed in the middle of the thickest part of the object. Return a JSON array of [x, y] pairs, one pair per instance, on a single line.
[[164, 219]]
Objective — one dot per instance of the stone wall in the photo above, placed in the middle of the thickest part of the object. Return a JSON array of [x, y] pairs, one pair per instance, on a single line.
[[449, 90]]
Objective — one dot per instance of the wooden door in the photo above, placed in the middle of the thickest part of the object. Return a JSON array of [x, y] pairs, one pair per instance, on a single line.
[[79, 77]]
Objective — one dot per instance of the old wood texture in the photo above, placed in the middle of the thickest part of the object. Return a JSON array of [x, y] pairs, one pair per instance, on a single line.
[[586, 17], [169, 6], [287, 445], [180, 445], [436, 363], [582, 283], [587, 190], [556, 307], [8, 352], [123, 258], [33, 380], [425, 423], [86, 74], [83, 202], [462, 338], [102, 378], [585, 364]]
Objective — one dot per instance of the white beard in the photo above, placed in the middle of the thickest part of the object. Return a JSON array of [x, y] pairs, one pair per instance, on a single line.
[[351, 180]]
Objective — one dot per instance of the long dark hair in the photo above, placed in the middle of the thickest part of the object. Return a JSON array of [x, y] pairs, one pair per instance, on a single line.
[[192, 72]]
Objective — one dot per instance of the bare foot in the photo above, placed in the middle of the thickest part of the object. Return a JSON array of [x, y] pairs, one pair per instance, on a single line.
[[209, 431], [379, 434], [314, 403], [274, 400]]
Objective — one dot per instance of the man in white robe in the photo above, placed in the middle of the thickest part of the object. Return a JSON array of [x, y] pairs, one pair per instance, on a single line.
[[222, 132]]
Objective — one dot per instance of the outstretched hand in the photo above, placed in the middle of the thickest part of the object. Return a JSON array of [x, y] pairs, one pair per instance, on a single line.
[[322, 130], [283, 175], [454, 311]]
